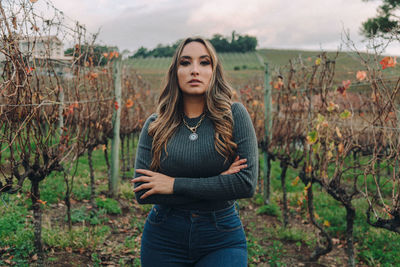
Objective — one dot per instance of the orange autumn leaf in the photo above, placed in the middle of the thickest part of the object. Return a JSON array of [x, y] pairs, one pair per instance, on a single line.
[[361, 75], [71, 108], [327, 223], [33, 1], [29, 70], [332, 106], [308, 169], [340, 148], [296, 181], [388, 62], [116, 105], [129, 103], [346, 84], [41, 201], [278, 85], [300, 201], [92, 75], [307, 186], [338, 133]]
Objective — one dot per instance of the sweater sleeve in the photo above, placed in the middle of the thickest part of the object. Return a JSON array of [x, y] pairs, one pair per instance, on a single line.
[[232, 186], [143, 160]]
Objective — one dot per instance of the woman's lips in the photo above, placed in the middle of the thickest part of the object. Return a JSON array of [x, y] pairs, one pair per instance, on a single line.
[[194, 81]]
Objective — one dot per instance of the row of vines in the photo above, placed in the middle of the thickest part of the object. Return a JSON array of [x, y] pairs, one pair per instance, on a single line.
[[342, 137], [54, 110]]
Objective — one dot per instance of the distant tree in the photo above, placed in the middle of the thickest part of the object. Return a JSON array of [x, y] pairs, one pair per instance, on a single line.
[[141, 52], [385, 21], [238, 43], [220, 43], [246, 43], [159, 51]]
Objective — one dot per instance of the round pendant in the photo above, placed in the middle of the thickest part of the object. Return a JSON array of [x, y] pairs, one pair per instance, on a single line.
[[193, 137]]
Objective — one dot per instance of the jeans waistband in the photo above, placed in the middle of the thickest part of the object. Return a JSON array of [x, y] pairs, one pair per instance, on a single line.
[[196, 213]]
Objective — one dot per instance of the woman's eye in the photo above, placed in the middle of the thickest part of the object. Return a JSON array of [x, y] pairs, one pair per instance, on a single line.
[[184, 63], [205, 63]]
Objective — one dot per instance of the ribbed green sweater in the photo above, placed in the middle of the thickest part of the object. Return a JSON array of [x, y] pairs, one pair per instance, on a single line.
[[197, 166]]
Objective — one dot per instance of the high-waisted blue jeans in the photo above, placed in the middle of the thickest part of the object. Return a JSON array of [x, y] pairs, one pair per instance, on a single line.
[[174, 237]]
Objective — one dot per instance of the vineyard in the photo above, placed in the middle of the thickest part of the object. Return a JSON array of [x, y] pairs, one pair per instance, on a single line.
[[328, 134]]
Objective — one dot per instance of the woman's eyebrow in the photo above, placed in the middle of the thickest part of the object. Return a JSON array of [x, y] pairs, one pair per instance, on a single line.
[[189, 57]]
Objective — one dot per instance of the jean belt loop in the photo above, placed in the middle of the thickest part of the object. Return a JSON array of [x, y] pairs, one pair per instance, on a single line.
[[237, 207]]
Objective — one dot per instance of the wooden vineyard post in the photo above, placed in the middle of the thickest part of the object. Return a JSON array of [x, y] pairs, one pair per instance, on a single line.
[[117, 73], [397, 167], [60, 111], [268, 122]]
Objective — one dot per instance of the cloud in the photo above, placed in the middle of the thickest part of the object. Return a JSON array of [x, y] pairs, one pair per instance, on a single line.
[[304, 24]]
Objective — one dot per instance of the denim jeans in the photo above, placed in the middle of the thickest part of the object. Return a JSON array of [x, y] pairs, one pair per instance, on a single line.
[[173, 237]]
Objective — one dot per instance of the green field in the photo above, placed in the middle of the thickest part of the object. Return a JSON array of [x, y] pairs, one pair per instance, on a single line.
[[245, 68]]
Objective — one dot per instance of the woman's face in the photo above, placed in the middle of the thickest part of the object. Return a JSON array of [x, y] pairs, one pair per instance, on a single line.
[[194, 69]]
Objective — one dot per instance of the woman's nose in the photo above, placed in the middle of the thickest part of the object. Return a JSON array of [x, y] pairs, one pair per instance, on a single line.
[[195, 69]]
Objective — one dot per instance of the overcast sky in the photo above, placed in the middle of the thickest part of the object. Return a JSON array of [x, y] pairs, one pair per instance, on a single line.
[[293, 24]]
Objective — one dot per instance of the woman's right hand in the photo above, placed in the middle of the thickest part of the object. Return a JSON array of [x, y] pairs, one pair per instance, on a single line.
[[236, 166]]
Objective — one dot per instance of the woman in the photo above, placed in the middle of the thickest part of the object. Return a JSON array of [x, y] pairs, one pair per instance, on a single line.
[[191, 163]]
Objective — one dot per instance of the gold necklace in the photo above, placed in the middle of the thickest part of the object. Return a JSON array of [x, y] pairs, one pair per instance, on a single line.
[[193, 136]]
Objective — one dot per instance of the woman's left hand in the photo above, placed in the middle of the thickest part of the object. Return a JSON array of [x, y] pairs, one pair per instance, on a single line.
[[156, 182]]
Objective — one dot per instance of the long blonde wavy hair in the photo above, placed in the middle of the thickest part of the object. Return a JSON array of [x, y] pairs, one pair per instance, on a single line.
[[170, 107]]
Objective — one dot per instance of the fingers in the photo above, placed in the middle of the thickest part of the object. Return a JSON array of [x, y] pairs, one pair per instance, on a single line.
[[141, 179], [237, 169], [234, 169], [148, 193], [145, 172], [143, 186], [238, 162]]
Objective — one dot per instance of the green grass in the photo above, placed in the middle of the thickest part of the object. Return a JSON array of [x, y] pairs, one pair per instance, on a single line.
[[111, 206], [373, 246], [16, 233], [79, 237], [271, 209]]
